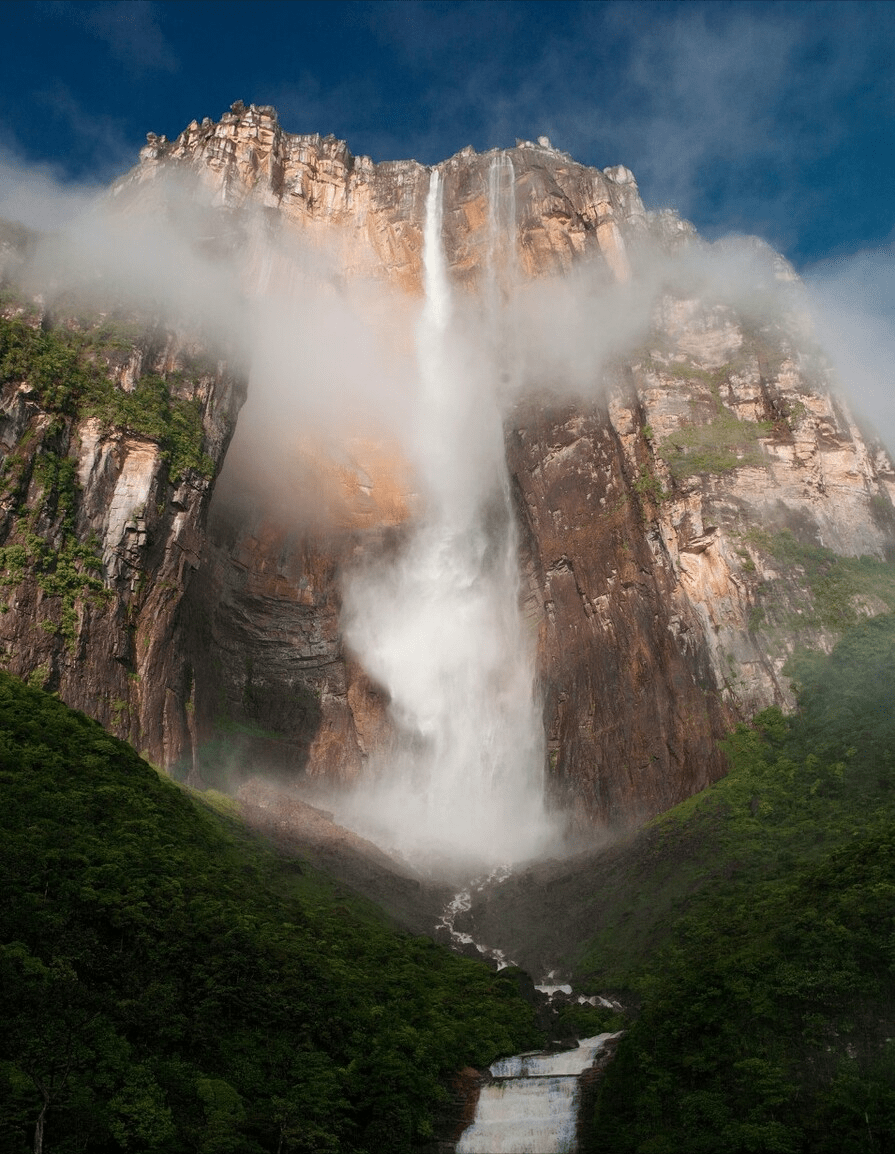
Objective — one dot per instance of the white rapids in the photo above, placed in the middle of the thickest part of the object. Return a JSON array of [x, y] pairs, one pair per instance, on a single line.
[[531, 1107], [460, 903]]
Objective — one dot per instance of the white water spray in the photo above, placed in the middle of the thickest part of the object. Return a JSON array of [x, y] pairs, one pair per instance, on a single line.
[[460, 904], [502, 268], [440, 626], [502, 274]]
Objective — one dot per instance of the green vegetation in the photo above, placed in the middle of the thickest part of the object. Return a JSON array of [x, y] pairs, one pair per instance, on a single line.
[[684, 371], [577, 1020], [39, 481], [62, 565], [168, 985], [66, 572], [717, 446], [60, 367], [150, 411], [648, 486], [837, 585], [50, 362], [113, 333], [763, 957]]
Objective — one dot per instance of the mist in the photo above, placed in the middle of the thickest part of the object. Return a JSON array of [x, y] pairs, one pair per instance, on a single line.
[[33, 195], [440, 626], [853, 301], [436, 623]]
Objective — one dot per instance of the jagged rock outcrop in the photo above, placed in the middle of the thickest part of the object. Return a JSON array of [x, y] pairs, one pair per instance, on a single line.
[[565, 211], [662, 514]]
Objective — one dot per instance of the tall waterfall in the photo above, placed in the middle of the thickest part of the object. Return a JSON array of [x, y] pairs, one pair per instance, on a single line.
[[439, 626], [502, 267], [531, 1107]]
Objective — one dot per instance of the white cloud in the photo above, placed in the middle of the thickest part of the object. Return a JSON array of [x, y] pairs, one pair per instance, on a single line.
[[36, 195]]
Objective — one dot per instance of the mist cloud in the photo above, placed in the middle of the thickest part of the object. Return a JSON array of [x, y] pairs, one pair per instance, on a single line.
[[35, 194], [854, 300]]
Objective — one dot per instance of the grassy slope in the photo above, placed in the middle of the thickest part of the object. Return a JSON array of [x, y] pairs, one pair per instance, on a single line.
[[166, 984]]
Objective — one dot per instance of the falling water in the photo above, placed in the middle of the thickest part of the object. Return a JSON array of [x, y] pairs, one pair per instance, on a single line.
[[502, 264], [502, 270], [531, 1107], [461, 903], [440, 625]]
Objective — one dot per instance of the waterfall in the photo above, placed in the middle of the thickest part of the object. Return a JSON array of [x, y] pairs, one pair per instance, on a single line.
[[531, 1107], [439, 626], [502, 269], [502, 266], [461, 903]]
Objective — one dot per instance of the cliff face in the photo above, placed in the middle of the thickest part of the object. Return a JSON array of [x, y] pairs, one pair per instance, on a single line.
[[565, 212], [668, 514], [103, 511], [669, 531]]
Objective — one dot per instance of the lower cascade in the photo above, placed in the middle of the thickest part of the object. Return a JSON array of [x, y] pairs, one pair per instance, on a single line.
[[531, 1107]]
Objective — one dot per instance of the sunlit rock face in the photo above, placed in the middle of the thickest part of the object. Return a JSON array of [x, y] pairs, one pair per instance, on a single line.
[[565, 211], [641, 580], [643, 545], [648, 587]]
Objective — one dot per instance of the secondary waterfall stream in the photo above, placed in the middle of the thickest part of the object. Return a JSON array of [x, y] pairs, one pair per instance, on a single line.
[[439, 624]]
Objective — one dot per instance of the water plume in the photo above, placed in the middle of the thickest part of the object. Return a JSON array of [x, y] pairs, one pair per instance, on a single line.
[[440, 626]]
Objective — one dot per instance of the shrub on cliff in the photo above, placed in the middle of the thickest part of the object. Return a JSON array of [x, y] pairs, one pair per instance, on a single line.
[[60, 369]]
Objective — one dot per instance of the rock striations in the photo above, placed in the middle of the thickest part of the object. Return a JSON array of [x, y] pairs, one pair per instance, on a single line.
[[665, 512]]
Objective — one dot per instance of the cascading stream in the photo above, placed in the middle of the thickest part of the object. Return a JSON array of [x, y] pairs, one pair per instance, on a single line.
[[440, 626], [531, 1107], [460, 904]]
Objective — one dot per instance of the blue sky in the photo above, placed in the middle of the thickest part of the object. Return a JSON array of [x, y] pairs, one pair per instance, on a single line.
[[771, 118], [775, 119]]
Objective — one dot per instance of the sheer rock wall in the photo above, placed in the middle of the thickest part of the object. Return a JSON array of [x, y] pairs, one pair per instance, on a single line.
[[642, 578], [112, 641]]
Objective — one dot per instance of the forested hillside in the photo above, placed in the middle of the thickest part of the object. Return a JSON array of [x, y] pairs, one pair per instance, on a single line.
[[767, 1020], [167, 984]]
